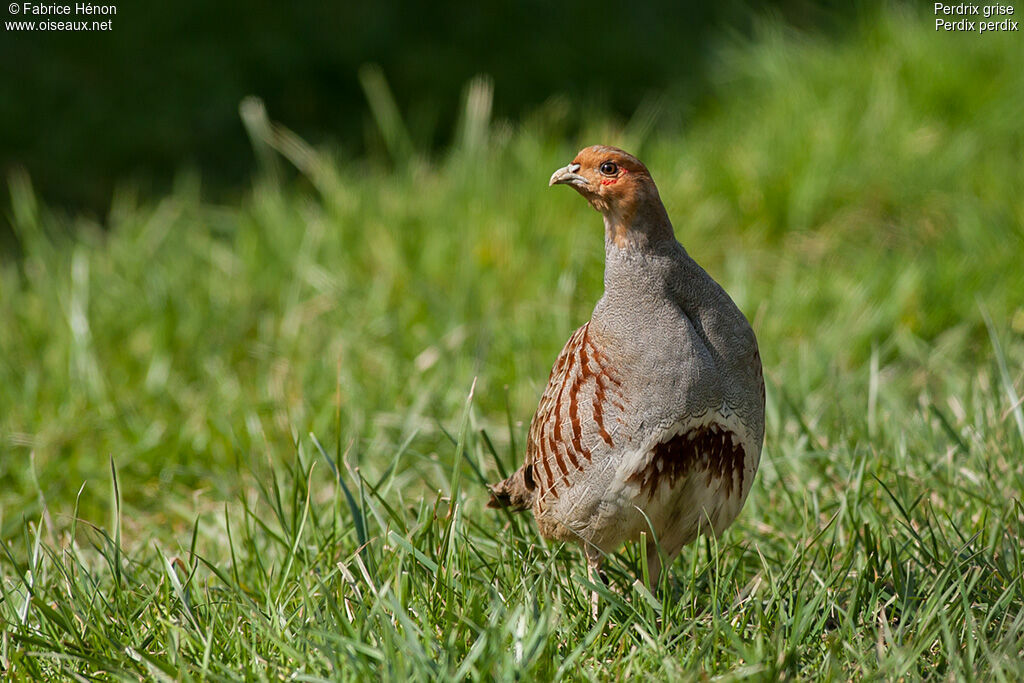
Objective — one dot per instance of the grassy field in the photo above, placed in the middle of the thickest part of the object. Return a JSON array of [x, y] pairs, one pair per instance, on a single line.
[[250, 441]]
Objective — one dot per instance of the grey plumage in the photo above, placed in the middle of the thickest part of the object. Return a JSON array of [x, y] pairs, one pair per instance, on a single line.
[[653, 417]]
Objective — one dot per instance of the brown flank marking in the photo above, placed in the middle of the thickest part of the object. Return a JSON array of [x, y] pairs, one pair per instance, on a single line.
[[708, 450]]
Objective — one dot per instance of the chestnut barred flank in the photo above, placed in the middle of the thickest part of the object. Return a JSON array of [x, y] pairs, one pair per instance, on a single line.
[[710, 450], [584, 392]]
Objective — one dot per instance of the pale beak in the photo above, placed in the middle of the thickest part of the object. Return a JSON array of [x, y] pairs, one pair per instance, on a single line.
[[568, 175]]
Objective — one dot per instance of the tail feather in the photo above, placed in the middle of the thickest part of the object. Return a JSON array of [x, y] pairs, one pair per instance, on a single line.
[[515, 493]]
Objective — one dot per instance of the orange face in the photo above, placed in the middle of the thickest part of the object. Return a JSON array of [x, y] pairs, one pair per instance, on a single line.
[[613, 181]]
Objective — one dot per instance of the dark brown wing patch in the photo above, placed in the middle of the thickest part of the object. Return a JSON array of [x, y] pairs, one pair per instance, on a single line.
[[708, 449]]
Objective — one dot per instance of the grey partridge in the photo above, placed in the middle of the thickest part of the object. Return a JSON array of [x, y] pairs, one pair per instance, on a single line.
[[653, 416]]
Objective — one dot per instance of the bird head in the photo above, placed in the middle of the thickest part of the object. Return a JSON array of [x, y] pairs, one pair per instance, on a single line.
[[618, 185]]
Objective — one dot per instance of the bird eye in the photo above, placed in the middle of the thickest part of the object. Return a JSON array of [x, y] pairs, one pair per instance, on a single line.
[[609, 168]]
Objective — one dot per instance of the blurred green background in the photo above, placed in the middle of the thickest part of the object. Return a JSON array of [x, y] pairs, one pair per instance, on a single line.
[[160, 92]]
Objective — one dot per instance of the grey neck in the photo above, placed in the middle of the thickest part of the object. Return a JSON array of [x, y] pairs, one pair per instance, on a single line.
[[641, 273]]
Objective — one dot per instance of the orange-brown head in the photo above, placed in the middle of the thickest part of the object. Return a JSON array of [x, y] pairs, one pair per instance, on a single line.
[[618, 185]]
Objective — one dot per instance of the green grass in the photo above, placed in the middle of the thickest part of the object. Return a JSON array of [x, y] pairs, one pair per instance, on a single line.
[[240, 442]]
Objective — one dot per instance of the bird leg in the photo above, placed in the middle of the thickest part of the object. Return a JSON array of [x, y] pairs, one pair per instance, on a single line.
[[595, 574]]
